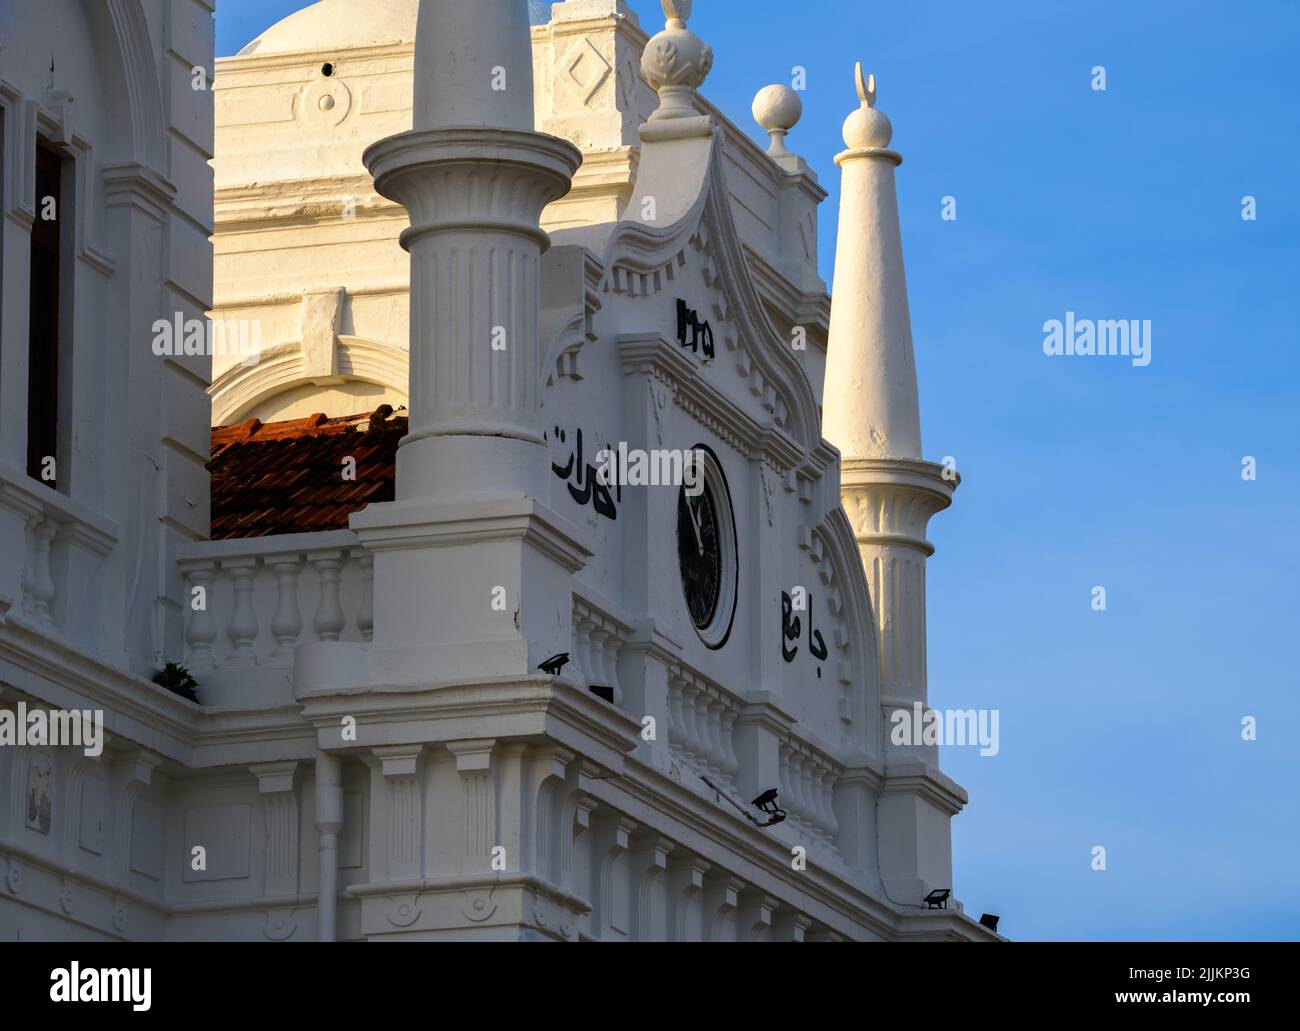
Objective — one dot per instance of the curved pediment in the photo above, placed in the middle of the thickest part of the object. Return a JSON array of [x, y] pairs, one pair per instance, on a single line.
[[681, 211]]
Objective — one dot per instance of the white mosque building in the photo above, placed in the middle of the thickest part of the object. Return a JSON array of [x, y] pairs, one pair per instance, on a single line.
[[459, 673]]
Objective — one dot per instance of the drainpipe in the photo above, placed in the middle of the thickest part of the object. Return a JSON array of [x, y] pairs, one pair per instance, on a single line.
[[329, 822]]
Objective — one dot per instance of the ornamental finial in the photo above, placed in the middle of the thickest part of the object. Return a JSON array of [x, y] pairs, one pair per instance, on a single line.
[[676, 63], [867, 128], [677, 13], [866, 87], [777, 108]]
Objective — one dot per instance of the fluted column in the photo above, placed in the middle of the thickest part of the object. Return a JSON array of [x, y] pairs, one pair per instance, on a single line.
[[889, 503], [474, 177]]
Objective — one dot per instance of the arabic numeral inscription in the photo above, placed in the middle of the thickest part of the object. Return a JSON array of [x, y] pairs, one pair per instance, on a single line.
[[693, 333]]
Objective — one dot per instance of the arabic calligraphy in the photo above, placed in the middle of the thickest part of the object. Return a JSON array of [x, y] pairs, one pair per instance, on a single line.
[[585, 487], [792, 625]]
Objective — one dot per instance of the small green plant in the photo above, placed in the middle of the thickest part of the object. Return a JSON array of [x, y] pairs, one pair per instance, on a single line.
[[177, 679]]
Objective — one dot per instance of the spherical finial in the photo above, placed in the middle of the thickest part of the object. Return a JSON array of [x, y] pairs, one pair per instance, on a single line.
[[867, 128], [777, 109]]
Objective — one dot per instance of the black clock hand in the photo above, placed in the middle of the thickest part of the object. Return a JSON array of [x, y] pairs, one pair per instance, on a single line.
[[695, 525]]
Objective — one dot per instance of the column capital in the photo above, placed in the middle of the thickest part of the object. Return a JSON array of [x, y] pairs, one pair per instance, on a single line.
[[274, 778], [891, 500]]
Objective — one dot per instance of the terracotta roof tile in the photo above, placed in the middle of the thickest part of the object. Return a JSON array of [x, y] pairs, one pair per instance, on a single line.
[[287, 477]]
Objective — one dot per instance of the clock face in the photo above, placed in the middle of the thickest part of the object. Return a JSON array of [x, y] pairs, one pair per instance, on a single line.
[[699, 554]]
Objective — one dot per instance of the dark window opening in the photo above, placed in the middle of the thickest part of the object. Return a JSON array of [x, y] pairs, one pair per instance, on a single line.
[[327, 69], [43, 334]]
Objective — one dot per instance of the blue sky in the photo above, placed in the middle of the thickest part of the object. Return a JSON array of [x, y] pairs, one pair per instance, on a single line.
[[1119, 728]]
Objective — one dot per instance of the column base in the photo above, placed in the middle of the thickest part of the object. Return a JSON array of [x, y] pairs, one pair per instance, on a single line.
[[477, 588]]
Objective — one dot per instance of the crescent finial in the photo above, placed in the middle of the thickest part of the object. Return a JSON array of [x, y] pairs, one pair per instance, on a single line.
[[866, 85]]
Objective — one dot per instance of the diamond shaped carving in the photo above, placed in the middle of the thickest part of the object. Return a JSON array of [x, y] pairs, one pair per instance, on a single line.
[[584, 70]]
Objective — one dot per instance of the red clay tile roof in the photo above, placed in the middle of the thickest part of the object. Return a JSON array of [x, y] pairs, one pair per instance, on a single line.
[[287, 477]]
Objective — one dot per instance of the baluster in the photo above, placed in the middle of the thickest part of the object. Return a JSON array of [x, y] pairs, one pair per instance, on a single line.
[[609, 661], [731, 765], [817, 789], [42, 578], [690, 739], [791, 771], [716, 757], [784, 783], [201, 629], [582, 627], [810, 798], [812, 785], [829, 778], [798, 767], [328, 623], [243, 620], [366, 614], [286, 625], [596, 654], [702, 731], [31, 520], [676, 722]]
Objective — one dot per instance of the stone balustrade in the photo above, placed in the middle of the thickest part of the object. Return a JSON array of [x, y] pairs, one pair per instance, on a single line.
[[250, 602], [807, 790], [597, 639], [52, 562], [701, 718]]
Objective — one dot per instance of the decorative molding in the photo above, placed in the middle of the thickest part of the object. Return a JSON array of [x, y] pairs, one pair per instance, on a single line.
[[280, 925], [283, 367], [642, 260], [18, 186], [400, 767], [474, 765], [147, 126], [275, 784]]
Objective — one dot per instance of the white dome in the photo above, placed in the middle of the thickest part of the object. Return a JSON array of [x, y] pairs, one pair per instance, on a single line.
[[339, 25]]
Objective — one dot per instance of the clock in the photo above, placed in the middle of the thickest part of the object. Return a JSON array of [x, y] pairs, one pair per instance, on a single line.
[[706, 551], [698, 554]]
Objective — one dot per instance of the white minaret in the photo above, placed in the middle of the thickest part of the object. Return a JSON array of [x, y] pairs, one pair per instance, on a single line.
[[871, 413], [470, 516]]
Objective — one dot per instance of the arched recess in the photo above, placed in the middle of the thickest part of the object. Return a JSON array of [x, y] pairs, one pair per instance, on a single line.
[[848, 579], [125, 23], [279, 369]]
